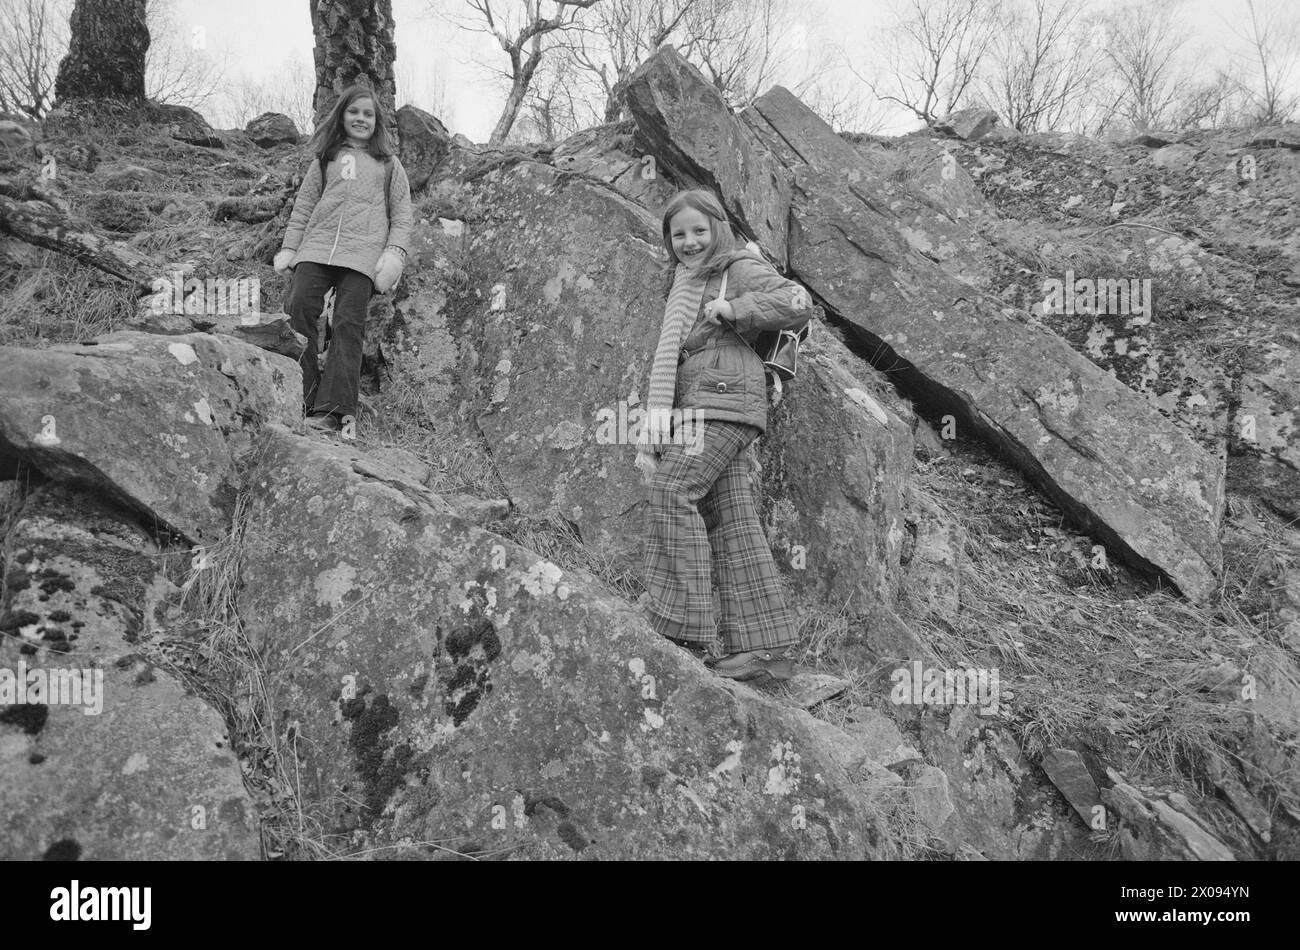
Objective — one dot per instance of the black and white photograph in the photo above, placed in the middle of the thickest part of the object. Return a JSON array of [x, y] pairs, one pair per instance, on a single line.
[[648, 431]]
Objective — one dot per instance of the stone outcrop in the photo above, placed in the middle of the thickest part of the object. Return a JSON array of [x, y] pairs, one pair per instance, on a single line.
[[1267, 427], [551, 361], [969, 124], [609, 153], [1100, 451], [686, 125], [1160, 826], [154, 423], [424, 143], [271, 129], [119, 760], [440, 683], [836, 459]]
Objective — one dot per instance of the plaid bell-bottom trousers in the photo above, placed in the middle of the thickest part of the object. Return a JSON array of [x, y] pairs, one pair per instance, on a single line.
[[703, 522]]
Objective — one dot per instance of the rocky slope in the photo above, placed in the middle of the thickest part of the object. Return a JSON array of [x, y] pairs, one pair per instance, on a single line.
[[423, 642]]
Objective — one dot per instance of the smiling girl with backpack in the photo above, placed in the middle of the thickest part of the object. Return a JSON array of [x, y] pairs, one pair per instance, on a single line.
[[349, 230], [702, 517]]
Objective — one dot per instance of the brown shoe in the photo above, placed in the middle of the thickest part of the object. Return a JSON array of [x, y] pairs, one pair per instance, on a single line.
[[755, 663], [705, 652]]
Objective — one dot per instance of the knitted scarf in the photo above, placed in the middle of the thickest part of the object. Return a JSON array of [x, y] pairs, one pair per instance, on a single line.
[[679, 314]]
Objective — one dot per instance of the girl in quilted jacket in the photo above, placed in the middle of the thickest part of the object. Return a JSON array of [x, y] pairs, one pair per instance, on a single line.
[[702, 520], [344, 233]]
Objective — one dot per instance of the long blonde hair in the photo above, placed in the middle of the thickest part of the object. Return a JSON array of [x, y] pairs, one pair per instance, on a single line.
[[724, 239]]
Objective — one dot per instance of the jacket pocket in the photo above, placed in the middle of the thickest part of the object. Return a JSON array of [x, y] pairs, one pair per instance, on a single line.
[[720, 387]]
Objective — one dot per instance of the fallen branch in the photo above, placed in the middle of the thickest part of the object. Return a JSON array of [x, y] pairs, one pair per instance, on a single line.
[[52, 231], [1135, 224]]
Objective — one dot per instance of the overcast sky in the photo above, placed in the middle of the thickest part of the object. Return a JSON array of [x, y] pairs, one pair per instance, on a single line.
[[257, 37]]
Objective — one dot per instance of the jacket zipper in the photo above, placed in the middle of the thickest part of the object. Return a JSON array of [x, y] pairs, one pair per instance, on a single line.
[[336, 238]]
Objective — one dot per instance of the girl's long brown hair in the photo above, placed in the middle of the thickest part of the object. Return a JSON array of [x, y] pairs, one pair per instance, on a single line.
[[330, 134]]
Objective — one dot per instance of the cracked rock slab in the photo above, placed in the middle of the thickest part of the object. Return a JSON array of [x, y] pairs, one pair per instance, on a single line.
[[155, 423]]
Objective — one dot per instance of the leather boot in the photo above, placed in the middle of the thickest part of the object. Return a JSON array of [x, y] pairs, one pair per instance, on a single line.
[[755, 663]]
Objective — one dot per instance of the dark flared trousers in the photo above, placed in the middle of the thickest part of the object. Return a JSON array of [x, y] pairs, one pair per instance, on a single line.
[[335, 390], [703, 521]]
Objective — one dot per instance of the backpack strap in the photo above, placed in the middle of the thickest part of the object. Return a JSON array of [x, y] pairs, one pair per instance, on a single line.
[[388, 187], [722, 293]]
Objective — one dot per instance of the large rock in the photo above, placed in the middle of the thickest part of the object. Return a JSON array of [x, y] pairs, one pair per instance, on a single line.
[[969, 124], [836, 459], [990, 787], [269, 331], [155, 423], [442, 684], [1160, 826], [1101, 452], [687, 126], [184, 124], [16, 143], [1278, 136], [271, 129], [555, 326], [125, 763], [932, 578], [1266, 430], [551, 360], [424, 144], [937, 205], [608, 152]]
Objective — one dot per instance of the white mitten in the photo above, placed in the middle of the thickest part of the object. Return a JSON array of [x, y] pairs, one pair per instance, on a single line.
[[282, 260], [646, 463], [388, 271]]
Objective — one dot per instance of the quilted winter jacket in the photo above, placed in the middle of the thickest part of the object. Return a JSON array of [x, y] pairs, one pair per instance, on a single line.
[[721, 377], [346, 224]]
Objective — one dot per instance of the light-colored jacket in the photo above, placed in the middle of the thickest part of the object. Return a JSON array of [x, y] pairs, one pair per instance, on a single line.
[[346, 224]]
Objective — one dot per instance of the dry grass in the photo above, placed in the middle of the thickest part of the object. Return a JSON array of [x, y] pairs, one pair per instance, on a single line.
[[406, 418], [557, 540], [60, 301], [214, 657], [1147, 676]]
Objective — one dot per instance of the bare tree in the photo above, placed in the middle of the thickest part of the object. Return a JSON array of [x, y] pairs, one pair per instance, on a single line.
[[288, 91], [1143, 41], [1211, 103], [33, 37], [839, 101], [620, 35], [556, 106], [522, 28], [428, 92], [932, 54], [1038, 64], [354, 44], [1273, 37], [739, 45], [178, 67]]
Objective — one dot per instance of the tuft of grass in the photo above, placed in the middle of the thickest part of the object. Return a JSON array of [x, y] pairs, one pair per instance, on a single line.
[[555, 538], [1151, 680], [61, 301], [211, 653], [406, 418]]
